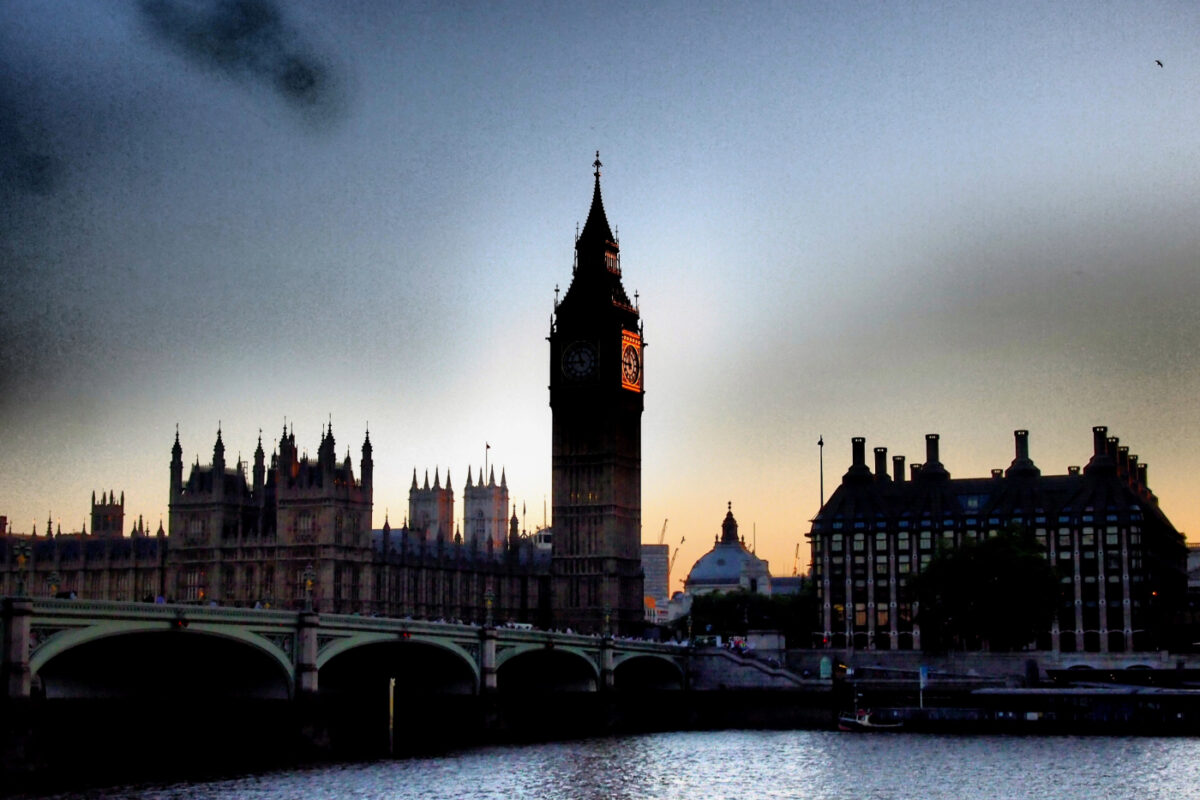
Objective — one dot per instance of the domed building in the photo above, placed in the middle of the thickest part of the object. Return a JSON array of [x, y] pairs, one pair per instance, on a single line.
[[729, 566]]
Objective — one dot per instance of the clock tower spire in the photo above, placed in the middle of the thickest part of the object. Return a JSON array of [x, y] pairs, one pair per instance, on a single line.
[[596, 393]]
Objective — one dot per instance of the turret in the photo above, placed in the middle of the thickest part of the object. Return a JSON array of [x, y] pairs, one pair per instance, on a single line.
[[367, 466], [326, 458], [260, 468], [176, 470], [218, 483]]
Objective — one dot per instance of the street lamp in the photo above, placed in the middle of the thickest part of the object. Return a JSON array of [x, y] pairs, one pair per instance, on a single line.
[[308, 576], [22, 552], [52, 580], [489, 602]]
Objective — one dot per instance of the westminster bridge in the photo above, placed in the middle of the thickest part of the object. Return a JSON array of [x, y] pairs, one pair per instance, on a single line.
[[75, 648], [93, 684]]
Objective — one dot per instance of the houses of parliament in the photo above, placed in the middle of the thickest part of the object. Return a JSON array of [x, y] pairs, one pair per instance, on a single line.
[[289, 530]]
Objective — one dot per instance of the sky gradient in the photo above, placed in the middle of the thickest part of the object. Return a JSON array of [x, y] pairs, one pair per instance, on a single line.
[[878, 220]]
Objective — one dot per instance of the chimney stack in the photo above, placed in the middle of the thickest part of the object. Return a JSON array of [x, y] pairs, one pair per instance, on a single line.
[[1022, 441], [898, 468], [931, 449], [1099, 433], [859, 471], [881, 473], [997, 473]]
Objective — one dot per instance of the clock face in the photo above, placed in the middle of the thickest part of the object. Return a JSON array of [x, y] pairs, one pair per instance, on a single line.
[[579, 360], [631, 365]]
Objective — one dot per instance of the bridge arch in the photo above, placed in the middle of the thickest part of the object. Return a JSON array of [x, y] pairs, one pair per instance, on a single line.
[[346, 644], [94, 638], [647, 672], [426, 686], [536, 668]]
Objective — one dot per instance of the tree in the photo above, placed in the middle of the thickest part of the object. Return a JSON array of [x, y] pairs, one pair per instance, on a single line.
[[997, 594], [735, 613]]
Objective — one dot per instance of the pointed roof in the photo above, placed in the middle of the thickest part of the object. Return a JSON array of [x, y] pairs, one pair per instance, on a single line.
[[729, 527], [596, 282], [596, 230]]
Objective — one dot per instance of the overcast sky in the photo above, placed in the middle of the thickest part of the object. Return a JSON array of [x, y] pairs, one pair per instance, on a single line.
[[882, 220]]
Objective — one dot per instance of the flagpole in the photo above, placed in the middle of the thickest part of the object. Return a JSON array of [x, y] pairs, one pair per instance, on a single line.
[[821, 446]]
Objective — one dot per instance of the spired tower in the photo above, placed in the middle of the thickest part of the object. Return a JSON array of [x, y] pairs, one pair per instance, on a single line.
[[596, 388]]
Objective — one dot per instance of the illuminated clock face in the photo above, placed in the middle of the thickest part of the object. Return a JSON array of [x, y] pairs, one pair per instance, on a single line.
[[579, 360], [631, 365]]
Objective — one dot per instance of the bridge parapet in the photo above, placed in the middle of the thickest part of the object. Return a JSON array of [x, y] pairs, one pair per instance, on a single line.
[[300, 643]]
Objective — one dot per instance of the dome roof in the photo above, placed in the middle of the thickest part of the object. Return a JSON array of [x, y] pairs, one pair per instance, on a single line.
[[728, 562], [725, 563]]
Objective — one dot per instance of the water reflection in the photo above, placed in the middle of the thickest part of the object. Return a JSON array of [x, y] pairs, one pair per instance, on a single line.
[[743, 764]]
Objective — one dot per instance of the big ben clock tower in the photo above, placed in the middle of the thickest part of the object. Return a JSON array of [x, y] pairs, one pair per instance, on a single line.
[[596, 386]]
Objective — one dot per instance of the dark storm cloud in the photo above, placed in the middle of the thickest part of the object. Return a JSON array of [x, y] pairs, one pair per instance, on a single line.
[[247, 39]]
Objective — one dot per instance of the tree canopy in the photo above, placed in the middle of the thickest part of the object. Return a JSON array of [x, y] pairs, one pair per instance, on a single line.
[[735, 613], [997, 594]]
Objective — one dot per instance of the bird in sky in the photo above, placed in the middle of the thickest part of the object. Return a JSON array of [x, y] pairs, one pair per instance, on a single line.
[[1156, 61]]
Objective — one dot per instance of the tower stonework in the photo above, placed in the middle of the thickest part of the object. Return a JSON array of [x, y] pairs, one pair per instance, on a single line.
[[596, 398]]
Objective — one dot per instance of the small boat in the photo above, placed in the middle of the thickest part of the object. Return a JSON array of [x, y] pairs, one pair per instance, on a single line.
[[860, 721]]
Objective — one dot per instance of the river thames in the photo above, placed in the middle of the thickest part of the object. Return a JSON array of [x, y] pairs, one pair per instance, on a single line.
[[719, 765]]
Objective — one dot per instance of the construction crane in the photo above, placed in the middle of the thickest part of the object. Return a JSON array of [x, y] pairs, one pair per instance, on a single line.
[[662, 535], [671, 563]]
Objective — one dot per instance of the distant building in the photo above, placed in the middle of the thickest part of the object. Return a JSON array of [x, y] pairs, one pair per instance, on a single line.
[[729, 566], [655, 562], [1122, 561], [107, 565]]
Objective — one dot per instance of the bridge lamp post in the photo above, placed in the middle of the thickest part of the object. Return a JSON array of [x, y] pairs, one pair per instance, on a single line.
[[606, 631], [22, 552], [52, 580], [308, 576], [489, 603]]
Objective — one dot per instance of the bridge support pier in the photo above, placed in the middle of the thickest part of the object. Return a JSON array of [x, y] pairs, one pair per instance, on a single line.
[[16, 711], [314, 734], [306, 653], [16, 614], [606, 664], [487, 661]]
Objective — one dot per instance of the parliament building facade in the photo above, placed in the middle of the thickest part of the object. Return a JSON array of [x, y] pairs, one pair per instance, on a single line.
[[289, 531], [1120, 560]]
